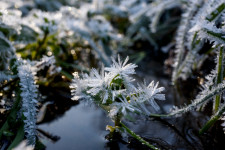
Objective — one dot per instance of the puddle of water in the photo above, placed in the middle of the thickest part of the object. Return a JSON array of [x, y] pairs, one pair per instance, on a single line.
[[82, 127]]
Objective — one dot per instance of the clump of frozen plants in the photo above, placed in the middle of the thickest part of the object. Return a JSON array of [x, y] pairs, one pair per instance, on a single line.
[[202, 23], [113, 89]]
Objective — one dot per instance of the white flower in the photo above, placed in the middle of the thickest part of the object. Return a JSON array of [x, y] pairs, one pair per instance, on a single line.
[[113, 88], [122, 70], [149, 94], [99, 84], [78, 87]]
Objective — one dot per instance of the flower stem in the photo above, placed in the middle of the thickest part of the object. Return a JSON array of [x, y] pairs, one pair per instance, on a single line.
[[217, 90], [212, 120], [138, 137], [219, 77], [117, 121], [160, 115]]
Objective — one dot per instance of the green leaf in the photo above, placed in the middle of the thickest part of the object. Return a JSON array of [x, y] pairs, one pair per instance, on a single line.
[[216, 12], [27, 35], [19, 137]]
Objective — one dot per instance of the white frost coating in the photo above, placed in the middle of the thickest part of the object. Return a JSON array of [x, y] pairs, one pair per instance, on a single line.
[[44, 62], [11, 18], [5, 77], [198, 24], [200, 100], [26, 74]]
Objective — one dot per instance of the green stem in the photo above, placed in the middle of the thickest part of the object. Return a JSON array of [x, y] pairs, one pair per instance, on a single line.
[[219, 10], [219, 77], [41, 43], [117, 121], [219, 35], [138, 137], [160, 115], [217, 103], [212, 120]]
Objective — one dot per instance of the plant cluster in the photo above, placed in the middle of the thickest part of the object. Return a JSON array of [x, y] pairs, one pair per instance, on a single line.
[[43, 42], [113, 90]]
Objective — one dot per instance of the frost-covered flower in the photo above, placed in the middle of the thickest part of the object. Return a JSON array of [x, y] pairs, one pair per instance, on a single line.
[[26, 74], [113, 88], [99, 84], [122, 70], [78, 87], [149, 93]]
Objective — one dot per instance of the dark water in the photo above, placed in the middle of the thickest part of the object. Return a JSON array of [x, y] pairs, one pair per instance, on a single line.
[[82, 127]]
